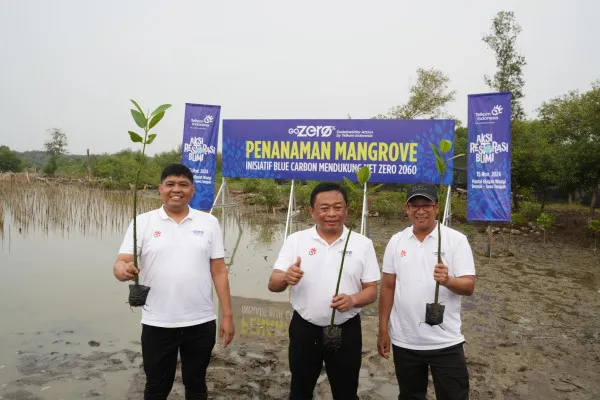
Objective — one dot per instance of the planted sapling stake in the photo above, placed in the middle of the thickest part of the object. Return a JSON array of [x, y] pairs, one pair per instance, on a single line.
[[434, 312], [594, 226], [139, 293], [545, 221], [332, 334]]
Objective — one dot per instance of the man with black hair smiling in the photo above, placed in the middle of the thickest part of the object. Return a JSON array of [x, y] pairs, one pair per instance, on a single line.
[[180, 256]]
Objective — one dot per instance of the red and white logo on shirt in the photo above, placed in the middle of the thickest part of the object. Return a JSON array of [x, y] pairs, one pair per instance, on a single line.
[[403, 253], [312, 251], [156, 234]]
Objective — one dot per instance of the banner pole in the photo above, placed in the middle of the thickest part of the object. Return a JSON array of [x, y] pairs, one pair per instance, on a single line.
[[219, 193], [447, 210], [289, 212], [490, 242]]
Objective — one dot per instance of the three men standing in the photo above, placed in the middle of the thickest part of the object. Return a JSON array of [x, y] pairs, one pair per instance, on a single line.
[[181, 253]]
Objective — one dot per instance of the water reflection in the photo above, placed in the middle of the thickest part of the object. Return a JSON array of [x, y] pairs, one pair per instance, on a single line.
[[68, 209], [60, 304], [58, 247], [35, 212], [251, 252], [255, 318]]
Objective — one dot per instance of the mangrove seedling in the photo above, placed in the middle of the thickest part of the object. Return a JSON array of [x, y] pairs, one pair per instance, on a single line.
[[545, 221], [594, 226], [434, 312], [332, 334], [139, 293]]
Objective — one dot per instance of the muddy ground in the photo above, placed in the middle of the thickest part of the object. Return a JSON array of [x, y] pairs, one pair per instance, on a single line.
[[532, 330]]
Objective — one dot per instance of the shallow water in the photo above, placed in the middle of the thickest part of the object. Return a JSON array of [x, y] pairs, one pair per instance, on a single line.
[[66, 331]]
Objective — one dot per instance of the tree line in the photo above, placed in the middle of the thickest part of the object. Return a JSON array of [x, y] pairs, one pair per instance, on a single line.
[[556, 153]]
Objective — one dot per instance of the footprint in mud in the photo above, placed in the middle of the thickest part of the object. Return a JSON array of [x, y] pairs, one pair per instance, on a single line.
[[20, 395], [243, 357], [41, 370]]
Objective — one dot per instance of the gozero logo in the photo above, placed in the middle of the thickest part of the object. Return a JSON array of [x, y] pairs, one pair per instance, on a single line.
[[312, 131]]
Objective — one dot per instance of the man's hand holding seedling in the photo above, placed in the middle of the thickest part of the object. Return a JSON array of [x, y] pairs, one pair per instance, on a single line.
[[342, 302], [462, 285], [440, 274], [124, 270]]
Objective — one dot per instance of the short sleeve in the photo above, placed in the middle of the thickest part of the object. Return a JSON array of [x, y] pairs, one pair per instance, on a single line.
[[218, 249], [463, 262], [127, 244], [388, 257], [286, 254], [371, 269]]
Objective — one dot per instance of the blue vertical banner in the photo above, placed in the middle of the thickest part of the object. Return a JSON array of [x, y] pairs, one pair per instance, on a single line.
[[488, 165], [199, 151]]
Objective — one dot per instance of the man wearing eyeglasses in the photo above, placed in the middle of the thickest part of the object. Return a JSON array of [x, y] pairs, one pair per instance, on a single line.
[[410, 272]]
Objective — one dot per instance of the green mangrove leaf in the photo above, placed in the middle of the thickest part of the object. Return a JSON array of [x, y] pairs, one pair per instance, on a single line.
[[445, 145], [139, 119], [436, 152], [137, 106], [441, 167], [151, 138], [452, 158], [156, 119], [350, 184], [135, 137], [160, 109], [363, 175]]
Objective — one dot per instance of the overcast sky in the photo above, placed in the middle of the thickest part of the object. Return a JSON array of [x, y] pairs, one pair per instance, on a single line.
[[74, 64]]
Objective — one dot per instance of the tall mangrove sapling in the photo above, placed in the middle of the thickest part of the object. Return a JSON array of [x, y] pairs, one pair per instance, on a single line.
[[434, 312], [139, 293], [332, 334]]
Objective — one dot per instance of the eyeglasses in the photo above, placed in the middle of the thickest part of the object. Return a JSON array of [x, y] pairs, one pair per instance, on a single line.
[[425, 207]]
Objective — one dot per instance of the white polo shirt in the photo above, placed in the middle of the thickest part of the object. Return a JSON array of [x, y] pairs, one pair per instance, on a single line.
[[413, 263], [174, 260], [312, 296]]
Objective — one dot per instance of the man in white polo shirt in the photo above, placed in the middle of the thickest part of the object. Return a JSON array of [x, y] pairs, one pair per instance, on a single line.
[[180, 255], [309, 262], [410, 272]]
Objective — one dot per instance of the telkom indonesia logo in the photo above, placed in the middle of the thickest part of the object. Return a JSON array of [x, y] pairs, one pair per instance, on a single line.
[[202, 123], [312, 131], [489, 117], [497, 110]]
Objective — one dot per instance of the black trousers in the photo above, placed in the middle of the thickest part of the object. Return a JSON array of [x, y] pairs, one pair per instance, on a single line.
[[159, 352], [448, 370], [307, 354]]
